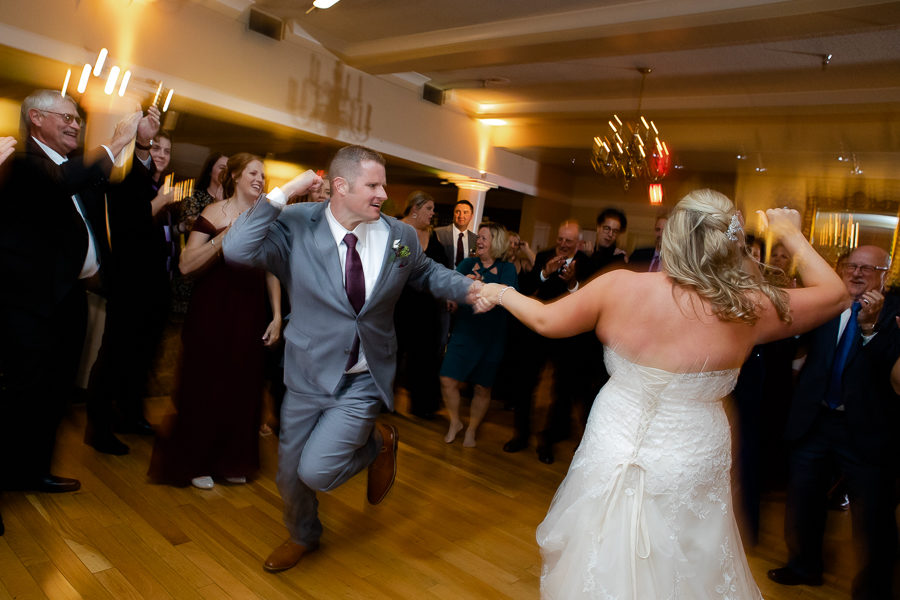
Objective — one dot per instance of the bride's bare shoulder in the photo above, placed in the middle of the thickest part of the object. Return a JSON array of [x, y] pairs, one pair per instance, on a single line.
[[632, 279]]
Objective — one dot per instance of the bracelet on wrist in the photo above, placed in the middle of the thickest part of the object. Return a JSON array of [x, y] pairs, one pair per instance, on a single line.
[[500, 295]]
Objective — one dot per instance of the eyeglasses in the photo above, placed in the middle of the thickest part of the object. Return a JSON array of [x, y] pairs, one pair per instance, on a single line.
[[864, 269], [67, 117], [608, 229]]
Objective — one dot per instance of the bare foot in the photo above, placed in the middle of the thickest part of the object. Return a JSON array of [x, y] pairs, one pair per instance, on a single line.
[[451, 433], [469, 440]]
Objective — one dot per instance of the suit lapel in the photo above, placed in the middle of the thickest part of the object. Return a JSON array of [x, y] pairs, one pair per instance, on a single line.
[[830, 331], [388, 262], [327, 251], [854, 350]]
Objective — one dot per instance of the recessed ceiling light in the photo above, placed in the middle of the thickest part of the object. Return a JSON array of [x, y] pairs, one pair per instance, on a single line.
[[493, 121], [323, 4]]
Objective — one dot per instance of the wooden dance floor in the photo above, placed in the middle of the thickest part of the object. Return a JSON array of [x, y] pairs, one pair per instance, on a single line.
[[458, 524]]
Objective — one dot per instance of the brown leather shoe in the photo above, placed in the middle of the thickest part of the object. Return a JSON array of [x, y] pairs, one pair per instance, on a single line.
[[383, 469], [286, 556]]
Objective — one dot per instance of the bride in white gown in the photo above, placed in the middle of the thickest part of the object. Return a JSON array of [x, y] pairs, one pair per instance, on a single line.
[[645, 511]]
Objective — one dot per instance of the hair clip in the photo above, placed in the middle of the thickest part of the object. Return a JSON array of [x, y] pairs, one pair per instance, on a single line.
[[734, 228]]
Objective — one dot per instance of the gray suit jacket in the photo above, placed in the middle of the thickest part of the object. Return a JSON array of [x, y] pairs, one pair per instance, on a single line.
[[445, 237], [296, 245]]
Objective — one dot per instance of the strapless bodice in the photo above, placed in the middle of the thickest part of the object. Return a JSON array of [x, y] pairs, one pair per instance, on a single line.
[[700, 386]]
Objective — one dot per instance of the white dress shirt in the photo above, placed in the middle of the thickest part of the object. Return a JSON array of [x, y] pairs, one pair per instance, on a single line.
[[372, 241]]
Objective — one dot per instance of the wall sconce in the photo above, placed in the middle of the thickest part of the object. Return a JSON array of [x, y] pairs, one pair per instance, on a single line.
[[656, 194]]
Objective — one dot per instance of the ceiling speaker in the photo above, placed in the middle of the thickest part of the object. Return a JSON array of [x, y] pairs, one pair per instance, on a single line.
[[433, 94], [267, 25]]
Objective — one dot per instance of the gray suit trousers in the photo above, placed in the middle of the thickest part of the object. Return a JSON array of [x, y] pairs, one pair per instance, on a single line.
[[325, 440]]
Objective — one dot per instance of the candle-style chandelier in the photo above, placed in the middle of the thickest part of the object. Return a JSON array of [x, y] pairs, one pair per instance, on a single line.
[[632, 149]]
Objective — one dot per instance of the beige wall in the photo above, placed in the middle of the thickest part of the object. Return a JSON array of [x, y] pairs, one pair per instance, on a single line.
[[211, 60], [210, 57]]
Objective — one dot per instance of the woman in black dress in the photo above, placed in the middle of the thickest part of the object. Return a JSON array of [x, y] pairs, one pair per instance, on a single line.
[[417, 319]]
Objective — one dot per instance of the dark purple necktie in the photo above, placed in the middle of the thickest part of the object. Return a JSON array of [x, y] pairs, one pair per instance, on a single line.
[[460, 251], [355, 284]]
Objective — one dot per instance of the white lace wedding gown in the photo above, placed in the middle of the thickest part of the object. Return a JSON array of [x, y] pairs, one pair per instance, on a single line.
[[645, 512]]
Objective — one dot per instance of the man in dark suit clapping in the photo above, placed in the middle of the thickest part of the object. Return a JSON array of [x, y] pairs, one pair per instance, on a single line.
[[557, 271], [845, 413], [52, 244]]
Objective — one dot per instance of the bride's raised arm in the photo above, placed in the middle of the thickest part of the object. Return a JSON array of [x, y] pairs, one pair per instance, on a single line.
[[824, 294]]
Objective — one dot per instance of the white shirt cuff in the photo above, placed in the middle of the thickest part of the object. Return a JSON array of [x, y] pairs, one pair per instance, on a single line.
[[276, 198], [109, 152]]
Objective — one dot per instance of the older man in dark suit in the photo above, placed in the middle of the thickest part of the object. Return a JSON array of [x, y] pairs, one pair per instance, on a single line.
[[52, 242], [557, 271], [845, 413]]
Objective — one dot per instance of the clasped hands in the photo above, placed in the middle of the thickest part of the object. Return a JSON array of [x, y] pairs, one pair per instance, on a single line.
[[484, 296]]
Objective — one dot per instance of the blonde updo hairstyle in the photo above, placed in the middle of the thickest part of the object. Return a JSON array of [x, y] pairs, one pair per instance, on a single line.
[[697, 254]]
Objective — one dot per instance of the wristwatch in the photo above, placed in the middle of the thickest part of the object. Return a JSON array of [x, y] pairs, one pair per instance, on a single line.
[[140, 146]]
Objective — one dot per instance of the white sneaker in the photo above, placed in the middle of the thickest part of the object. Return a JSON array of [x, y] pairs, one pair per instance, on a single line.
[[204, 483], [236, 479]]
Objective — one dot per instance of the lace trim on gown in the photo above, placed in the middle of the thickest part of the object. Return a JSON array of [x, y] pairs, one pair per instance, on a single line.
[[645, 510]]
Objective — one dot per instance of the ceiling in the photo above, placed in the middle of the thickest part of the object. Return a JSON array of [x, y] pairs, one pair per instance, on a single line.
[[729, 77]]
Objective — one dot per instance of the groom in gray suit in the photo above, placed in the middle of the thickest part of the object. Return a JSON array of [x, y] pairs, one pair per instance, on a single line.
[[344, 265]]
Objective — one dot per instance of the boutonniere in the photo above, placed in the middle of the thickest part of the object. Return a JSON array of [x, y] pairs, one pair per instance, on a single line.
[[400, 251]]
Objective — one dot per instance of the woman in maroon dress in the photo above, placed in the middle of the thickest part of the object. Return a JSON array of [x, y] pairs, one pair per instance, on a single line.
[[214, 432]]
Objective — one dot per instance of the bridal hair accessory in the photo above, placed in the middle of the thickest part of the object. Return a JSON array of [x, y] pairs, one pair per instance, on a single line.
[[734, 228]]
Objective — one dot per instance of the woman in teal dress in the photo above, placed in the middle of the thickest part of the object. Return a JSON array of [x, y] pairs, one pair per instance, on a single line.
[[477, 341]]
